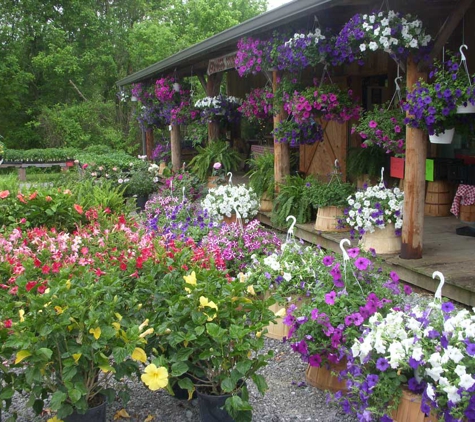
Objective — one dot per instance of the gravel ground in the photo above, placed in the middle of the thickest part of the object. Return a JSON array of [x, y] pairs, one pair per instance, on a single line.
[[288, 399]]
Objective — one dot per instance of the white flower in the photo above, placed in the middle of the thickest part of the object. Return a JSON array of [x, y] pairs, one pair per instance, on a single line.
[[363, 47], [466, 381], [430, 391], [434, 372], [287, 276], [452, 394], [385, 22], [373, 46]]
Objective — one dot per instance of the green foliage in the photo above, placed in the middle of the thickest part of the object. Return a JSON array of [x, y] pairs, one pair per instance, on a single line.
[[261, 175], [45, 154], [365, 161], [292, 200], [328, 194], [215, 152]]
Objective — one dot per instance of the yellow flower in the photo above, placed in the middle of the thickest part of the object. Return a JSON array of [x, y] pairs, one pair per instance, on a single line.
[[242, 277], [143, 325], [280, 313], [96, 332], [259, 334], [155, 378], [58, 310], [54, 419], [146, 333], [190, 279], [251, 291], [139, 355], [116, 325], [21, 313], [76, 357], [68, 284], [205, 302]]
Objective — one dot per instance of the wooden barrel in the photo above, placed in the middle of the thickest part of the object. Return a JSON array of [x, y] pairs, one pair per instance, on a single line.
[[327, 219], [438, 199], [409, 409], [324, 379], [230, 220], [383, 241], [278, 330], [467, 213], [265, 204]]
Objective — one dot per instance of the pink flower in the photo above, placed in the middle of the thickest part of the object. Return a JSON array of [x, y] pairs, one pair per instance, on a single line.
[[217, 166], [373, 124], [330, 298]]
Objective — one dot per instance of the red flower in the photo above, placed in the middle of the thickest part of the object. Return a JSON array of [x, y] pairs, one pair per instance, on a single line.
[[48, 198], [42, 288], [78, 208], [4, 194], [37, 263], [30, 285], [21, 198], [46, 269], [33, 195], [7, 323]]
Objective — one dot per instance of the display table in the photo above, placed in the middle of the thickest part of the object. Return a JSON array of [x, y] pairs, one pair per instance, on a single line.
[[464, 203]]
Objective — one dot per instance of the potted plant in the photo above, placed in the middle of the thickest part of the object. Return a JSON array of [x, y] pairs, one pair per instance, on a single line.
[[64, 351], [221, 107], [295, 134], [329, 198], [375, 216], [224, 201], [139, 182], [261, 179], [348, 292], [423, 355], [214, 152], [364, 164], [432, 106], [258, 104], [211, 325]]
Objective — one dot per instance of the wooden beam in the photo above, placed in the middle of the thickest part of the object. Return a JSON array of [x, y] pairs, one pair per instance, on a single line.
[[175, 145], [203, 81], [148, 143], [281, 149], [414, 180], [447, 29]]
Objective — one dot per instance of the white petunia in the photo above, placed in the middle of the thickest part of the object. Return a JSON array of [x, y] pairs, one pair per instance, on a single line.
[[466, 381]]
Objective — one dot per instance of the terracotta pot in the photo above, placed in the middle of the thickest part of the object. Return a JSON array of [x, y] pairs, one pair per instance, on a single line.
[[324, 379], [383, 241], [279, 330]]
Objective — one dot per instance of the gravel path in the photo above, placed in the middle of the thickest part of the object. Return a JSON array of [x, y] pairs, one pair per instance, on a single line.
[[288, 399]]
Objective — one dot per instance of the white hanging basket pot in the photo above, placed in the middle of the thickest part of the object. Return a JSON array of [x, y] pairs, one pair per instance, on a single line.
[[468, 109], [445, 137]]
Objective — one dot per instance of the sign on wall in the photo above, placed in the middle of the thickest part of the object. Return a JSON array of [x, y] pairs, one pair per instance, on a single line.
[[222, 63]]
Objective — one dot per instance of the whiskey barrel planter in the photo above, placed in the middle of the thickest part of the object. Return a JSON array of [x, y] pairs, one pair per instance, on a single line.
[[324, 379], [383, 241], [265, 203], [327, 219], [438, 199], [467, 213], [409, 409]]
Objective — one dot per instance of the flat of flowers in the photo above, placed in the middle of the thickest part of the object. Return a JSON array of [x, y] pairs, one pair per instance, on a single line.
[[323, 377]]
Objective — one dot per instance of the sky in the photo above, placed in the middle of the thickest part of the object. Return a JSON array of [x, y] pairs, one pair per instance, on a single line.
[[276, 3]]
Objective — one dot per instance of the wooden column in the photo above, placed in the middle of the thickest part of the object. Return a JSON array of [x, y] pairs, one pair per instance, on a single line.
[[212, 90], [414, 181], [281, 150], [148, 143], [175, 144]]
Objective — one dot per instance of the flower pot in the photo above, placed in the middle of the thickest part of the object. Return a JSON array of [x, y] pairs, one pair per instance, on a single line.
[[212, 408], [212, 182], [162, 167], [93, 414], [141, 201], [323, 378], [327, 219], [409, 409], [278, 330], [468, 109], [230, 220], [265, 203], [383, 241], [445, 137], [182, 393]]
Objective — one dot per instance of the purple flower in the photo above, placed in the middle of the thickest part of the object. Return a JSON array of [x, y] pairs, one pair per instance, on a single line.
[[330, 298], [353, 252], [407, 290], [372, 380], [414, 364], [315, 314], [382, 364], [394, 276], [362, 263], [328, 260], [471, 349], [315, 360], [448, 307]]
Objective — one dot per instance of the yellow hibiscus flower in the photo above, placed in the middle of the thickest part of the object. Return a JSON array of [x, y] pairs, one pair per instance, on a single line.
[[155, 378]]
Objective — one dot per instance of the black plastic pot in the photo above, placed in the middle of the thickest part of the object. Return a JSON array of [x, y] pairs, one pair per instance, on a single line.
[[211, 408], [94, 414], [181, 393], [141, 201]]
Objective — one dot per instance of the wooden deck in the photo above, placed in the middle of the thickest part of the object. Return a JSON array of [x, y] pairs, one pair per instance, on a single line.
[[444, 251]]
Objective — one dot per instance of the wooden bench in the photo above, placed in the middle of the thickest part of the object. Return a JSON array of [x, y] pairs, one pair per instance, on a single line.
[[23, 166]]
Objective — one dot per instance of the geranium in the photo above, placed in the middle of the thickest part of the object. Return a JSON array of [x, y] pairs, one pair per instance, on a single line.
[[343, 295], [220, 107], [258, 104], [432, 106], [384, 127], [226, 200], [289, 131], [373, 208], [388, 31], [327, 101]]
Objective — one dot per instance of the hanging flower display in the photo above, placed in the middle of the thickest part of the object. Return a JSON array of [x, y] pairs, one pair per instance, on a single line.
[[296, 134], [253, 56], [258, 104], [384, 127], [327, 101], [221, 107], [389, 31]]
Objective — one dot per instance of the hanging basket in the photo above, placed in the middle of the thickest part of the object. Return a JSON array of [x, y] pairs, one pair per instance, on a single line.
[[468, 109], [445, 137]]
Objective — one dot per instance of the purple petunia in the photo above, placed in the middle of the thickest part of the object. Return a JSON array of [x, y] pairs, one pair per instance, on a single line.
[[382, 364], [448, 307], [330, 298], [362, 263]]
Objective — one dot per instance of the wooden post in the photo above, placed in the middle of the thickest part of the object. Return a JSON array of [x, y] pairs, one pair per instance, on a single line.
[[212, 90], [281, 150], [175, 144], [414, 181], [148, 143]]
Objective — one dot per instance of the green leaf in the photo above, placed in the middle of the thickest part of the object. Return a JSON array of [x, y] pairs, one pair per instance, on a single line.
[[6, 393], [260, 382], [120, 354], [75, 395], [228, 385], [199, 330], [69, 372], [38, 406], [57, 399], [215, 331], [244, 366], [179, 368], [186, 384], [235, 331], [184, 353], [45, 353]]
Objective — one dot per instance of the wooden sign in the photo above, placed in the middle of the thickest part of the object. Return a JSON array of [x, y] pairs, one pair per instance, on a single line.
[[397, 168], [222, 63]]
